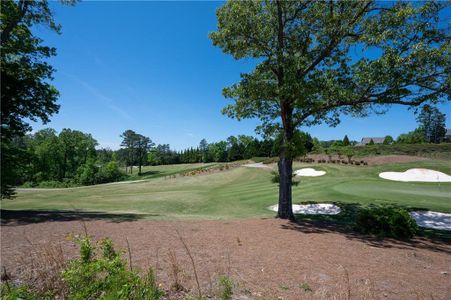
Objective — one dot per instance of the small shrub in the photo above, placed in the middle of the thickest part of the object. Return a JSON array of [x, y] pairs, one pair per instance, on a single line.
[[106, 276], [28, 184], [10, 292], [306, 287], [386, 221], [226, 288], [109, 173]]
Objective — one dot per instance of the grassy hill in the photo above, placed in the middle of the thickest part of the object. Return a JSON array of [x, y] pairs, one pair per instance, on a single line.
[[438, 151], [240, 192]]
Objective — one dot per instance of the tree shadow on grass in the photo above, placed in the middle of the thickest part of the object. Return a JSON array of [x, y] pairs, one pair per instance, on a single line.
[[24, 217], [151, 173], [343, 223]]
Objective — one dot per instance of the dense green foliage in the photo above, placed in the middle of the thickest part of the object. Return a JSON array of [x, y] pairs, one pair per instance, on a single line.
[[25, 80], [26, 92], [234, 148], [60, 160], [136, 148], [346, 141], [386, 221], [432, 123], [388, 140]]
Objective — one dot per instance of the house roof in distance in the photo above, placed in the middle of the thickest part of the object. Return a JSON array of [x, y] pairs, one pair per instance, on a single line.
[[376, 140]]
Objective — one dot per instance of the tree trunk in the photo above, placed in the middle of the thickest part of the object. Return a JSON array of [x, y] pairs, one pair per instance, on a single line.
[[285, 165], [285, 197]]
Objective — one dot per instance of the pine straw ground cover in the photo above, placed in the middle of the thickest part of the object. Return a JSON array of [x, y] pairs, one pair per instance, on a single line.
[[265, 258]]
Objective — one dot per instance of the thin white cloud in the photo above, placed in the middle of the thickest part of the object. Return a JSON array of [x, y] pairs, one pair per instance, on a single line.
[[109, 102], [189, 133]]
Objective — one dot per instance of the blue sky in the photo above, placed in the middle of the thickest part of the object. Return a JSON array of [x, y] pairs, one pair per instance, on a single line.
[[150, 67]]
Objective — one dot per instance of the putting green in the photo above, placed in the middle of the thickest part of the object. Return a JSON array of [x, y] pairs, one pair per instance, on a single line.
[[241, 192]]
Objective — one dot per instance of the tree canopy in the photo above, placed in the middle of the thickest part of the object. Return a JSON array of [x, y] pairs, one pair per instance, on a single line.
[[27, 93], [432, 122], [317, 60], [136, 149]]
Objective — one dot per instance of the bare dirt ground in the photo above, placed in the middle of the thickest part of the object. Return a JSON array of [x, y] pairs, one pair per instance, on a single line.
[[267, 258]]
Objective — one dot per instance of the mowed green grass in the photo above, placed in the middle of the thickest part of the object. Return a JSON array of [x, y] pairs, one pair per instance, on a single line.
[[166, 170], [242, 193]]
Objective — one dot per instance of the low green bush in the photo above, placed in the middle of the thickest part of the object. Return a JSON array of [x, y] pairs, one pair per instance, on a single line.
[[386, 221], [11, 292], [56, 184], [28, 184], [226, 288], [95, 275], [105, 275]]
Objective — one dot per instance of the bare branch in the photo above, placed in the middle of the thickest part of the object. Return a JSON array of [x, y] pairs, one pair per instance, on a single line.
[[337, 37]]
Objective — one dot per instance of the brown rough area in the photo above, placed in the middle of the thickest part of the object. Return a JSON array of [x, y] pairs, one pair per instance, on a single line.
[[391, 159], [267, 258], [374, 160]]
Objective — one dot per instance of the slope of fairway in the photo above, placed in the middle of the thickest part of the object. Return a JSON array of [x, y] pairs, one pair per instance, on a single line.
[[166, 170], [242, 192]]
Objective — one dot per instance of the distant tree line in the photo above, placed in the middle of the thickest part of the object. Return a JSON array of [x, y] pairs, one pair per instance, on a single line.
[[71, 158], [232, 149]]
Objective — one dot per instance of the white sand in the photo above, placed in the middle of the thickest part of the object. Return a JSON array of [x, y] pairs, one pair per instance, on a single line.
[[309, 172], [312, 209], [431, 219], [257, 165], [418, 175]]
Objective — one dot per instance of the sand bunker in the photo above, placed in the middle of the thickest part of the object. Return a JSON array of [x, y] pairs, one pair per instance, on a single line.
[[257, 165], [312, 209], [309, 172], [418, 175], [431, 219]]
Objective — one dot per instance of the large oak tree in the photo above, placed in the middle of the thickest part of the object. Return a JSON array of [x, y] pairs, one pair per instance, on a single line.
[[26, 91], [317, 60]]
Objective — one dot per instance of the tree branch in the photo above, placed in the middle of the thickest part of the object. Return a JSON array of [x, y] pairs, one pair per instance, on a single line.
[[337, 37], [6, 33]]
